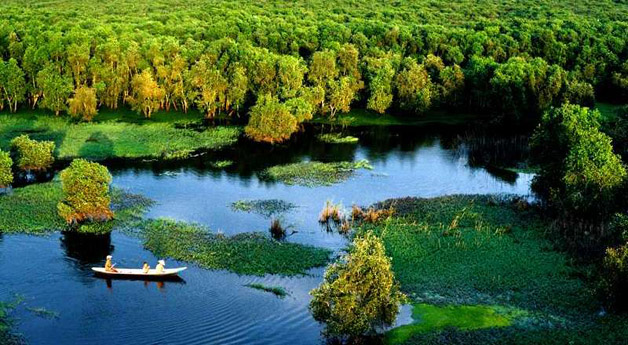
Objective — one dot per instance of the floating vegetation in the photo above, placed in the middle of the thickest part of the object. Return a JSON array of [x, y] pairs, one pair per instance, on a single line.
[[246, 253], [429, 317], [33, 209], [221, 164], [311, 174], [337, 138], [265, 207], [277, 290], [43, 313]]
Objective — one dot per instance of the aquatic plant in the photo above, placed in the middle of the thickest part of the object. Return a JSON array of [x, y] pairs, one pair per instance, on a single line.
[[312, 174], [43, 312], [371, 215], [277, 231], [245, 253], [331, 213], [429, 318], [221, 164], [265, 207], [352, 302], [277, 290], [32, 154], [337, 138], [6, 173], [86, 193]]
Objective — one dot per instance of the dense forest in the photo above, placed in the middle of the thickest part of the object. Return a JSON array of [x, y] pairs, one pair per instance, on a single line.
[[281, 62]]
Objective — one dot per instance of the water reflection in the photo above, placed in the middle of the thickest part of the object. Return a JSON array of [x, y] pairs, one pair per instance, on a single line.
[[86, 249]]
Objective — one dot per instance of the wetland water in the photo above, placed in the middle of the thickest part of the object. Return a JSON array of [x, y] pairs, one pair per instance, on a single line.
[[53, 272]]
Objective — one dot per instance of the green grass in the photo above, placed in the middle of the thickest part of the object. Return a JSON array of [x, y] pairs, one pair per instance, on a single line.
[[429, 318], [311, 174], [276, 290], [118, 137], [484, 250], [33, 209], [246, 253], [363, 117], [267, 208], [337, 138]]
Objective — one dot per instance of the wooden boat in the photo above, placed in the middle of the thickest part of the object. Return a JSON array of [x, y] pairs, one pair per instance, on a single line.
[[139, 273]]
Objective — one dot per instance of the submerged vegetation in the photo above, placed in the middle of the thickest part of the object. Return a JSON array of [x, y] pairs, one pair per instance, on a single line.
[[245, 253], [265, 207], [276, 290], [311, 174], [33, 209], [116, 137]]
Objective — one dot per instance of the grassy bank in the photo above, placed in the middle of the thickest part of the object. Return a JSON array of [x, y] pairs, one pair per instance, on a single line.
[[311, 174], [363, 117], [246, 253], [33, 209], [118, 136], [481, 250]]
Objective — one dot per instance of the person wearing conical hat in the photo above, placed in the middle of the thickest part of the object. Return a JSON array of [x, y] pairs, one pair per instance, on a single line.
[[160, 266], [109, 265]]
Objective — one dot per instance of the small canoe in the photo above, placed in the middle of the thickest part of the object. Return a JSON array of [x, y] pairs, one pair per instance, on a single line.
[[138, 273]]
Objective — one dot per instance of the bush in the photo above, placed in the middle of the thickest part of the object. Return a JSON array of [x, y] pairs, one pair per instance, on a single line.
[[32, 154], [6, 175], [579, 173], [615, 278], [271, 121], [86, 193], [359, 293]]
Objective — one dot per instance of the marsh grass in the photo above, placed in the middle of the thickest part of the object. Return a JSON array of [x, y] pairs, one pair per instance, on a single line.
[[277, 231], [115, 138], [311, 174], [33, 209], [331, 213], [265, 207], [276, 290], [485, 250], [245, 253]]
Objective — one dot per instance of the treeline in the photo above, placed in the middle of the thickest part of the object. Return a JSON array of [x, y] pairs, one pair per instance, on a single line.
[[286, 61]]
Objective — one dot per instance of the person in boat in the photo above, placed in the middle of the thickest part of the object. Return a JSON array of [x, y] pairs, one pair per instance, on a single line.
[[145, 267], [160, 266], [109, 265]]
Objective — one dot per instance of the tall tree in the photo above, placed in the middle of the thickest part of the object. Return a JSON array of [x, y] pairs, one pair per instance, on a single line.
[[146, 94], [56, 88], [12, 84]]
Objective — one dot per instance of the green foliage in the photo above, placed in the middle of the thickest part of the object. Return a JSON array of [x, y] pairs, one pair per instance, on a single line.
[[33, 209], [414, 87], [271, 121], [579, 171], [55, 89], [312, 174], [359, 293], [6, 173], [276, 290], [429, 318], [12, 84], [117, 137], [614, 282], [33, 154], [86, 193], [245, 253]]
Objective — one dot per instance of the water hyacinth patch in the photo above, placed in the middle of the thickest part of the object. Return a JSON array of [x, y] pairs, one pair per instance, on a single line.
[[265, 207]]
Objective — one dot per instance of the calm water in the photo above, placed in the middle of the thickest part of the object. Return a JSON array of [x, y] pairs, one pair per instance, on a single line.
[[53, 272]]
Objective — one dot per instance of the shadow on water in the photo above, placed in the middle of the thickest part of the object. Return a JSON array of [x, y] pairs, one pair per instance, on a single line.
[[159, 283], [86, 249]]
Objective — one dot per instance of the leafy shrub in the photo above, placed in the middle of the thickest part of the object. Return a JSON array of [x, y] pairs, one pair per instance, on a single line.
[[6, 175], [84, 103], [271, 121], [615, 277], [86, 193], [32, 154], [359, 293]]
